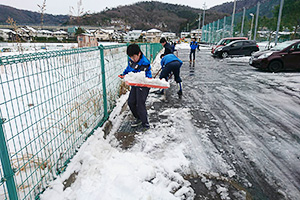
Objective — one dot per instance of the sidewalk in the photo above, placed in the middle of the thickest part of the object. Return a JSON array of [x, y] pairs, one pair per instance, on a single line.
[[157, 164]]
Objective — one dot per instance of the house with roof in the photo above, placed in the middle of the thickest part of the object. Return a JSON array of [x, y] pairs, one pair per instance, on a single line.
[[24, 34], [7, 35], [169, 36], [101, 34], [61, 35], [44, 33], [133, 35], [153, 35]]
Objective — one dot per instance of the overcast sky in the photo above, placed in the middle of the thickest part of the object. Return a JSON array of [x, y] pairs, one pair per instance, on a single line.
[[63, 6]]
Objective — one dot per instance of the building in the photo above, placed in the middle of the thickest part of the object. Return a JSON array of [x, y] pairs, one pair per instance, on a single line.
[[132, 36], [61, 35], [24, 34], [101, 35], [184, 34], [197, 33], [7, 35], [153, 35], [169, 36], [44, 33], [86, 40]]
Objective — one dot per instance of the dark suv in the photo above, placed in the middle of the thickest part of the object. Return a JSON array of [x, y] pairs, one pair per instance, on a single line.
[[285, 55], [225, 41], [239, 47]]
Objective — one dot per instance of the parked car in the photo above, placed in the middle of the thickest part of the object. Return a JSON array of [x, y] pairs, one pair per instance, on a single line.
[[225, 41], [239, 47], [284, 56]]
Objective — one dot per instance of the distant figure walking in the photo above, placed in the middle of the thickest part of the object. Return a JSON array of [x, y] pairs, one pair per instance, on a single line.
[[194, 45]]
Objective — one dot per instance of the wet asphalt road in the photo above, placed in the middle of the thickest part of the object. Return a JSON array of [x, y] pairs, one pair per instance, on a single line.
[[253, 122]]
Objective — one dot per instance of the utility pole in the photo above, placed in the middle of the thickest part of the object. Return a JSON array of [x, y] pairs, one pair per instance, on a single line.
[[232, 20], [204, 7], [218, 27], [199, 26], [278, 22], [224, 26], [251, 14], [256, 21], [242, 28]]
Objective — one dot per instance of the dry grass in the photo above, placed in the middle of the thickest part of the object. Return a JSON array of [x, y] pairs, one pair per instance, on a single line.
[[29, 161]]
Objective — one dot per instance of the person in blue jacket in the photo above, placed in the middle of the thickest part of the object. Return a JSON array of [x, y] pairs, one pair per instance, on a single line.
[[138, 95], [194, 45], [170, 63]]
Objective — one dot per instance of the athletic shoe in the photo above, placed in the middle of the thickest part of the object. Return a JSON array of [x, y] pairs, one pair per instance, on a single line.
[[136, 123], [142, 128]]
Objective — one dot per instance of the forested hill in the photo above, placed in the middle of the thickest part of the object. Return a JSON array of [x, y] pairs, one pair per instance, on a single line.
[[266, 6], [28, 17], [142, 15], [150, 14]]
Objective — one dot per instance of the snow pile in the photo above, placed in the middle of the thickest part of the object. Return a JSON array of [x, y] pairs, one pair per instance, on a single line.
[[140, 79], [151, 169]]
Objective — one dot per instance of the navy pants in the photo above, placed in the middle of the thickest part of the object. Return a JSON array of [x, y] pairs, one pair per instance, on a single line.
[[171, 67], [137, 102], [193, 51]]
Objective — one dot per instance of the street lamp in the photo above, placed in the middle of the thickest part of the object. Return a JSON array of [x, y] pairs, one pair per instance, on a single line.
[[251, 14]]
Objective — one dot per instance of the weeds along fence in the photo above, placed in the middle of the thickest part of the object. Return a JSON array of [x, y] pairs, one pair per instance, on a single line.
[[50, 103]]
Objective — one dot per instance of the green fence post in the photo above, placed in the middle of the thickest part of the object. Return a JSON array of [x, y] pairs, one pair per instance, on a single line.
[[6, 166], [101, 47]]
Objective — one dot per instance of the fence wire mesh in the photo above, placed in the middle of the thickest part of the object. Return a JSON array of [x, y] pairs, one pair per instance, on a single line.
[[50, 103], [222, 28]]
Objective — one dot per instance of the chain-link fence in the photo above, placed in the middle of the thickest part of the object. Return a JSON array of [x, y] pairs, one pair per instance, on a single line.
[[50, 103], [253, 23]]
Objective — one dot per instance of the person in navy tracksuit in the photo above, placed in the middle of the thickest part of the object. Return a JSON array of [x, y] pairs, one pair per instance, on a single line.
[[170, 63], [167, 46], [138, 95], [194, 45]]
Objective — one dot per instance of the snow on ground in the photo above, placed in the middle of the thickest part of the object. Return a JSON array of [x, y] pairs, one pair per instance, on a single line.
[[151, 169]]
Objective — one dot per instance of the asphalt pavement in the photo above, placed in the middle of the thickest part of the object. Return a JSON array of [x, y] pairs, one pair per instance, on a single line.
[[251, 120]]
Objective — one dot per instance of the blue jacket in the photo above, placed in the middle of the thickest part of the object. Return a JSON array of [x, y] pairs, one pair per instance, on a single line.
[[169, 58], [142, 65], [194, 45]]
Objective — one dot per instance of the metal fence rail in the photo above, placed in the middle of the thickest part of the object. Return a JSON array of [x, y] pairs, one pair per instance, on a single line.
[[49, 104]]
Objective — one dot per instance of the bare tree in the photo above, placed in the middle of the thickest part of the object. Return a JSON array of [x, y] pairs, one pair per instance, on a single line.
[[14, 26], [42, 11], [76, 14]]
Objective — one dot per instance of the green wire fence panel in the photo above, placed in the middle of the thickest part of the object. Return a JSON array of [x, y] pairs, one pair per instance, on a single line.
[[49, 104], [213, 32]]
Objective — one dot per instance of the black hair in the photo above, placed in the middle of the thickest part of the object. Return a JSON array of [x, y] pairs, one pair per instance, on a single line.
[[133, 49], [162, 40]]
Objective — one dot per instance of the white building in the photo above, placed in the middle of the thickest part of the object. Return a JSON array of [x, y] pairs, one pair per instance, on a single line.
[[184, 34], [7, 35], [169, 35], [60, 35], [32, 31], [153, 35], [44, 33], [132, 35], [197, 33]]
